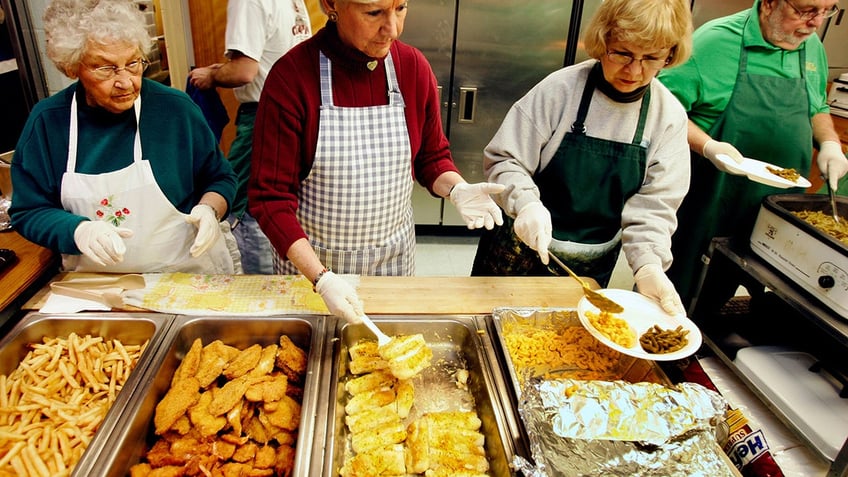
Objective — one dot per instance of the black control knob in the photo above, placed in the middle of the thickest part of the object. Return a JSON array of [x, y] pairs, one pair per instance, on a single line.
[[826, 281]]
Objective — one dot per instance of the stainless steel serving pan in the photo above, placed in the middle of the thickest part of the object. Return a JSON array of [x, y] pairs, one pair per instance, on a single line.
[[628, 368], [134, 431], [128, 328], [457, 342]]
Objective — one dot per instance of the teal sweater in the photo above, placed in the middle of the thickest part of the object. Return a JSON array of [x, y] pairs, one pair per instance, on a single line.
[[175, 138]]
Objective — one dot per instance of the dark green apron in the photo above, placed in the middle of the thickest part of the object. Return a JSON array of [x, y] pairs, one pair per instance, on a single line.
[[584, 187], [767, 118]]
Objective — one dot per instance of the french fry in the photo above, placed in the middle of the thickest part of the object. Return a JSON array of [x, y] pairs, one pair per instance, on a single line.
[[53, 402]]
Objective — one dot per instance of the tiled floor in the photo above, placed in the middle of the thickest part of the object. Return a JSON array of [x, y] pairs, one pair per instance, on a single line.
[[453, 255]]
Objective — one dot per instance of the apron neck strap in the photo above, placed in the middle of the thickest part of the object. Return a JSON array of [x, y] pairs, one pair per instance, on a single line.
[[579, 126], [326, 80], [73, 134]]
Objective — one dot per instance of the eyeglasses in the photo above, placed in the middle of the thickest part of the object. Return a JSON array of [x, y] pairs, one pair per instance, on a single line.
[[108, 72], [808, 15], [622, 58]]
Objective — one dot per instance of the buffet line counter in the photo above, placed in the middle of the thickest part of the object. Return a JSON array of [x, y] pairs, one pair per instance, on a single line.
[[497, 344], [429, 295]]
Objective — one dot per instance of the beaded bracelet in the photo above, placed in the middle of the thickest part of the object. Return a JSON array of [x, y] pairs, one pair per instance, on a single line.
[[318, 277]]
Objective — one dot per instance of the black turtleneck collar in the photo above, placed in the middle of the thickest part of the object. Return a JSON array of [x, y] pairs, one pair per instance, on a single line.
[[597, 76], [340, 53]]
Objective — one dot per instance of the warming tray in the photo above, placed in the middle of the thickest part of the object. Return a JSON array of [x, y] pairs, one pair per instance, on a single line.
[[456, 341], [128, 328], [518, 320], [134, 431], [814, 260]]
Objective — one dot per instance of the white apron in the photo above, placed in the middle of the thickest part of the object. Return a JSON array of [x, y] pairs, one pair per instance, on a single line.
[[131, 198], [356, 202]]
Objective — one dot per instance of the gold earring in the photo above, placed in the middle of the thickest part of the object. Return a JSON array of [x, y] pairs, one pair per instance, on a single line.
[[333, 16]]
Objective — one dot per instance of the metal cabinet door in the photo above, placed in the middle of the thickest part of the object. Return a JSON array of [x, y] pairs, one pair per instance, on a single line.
[[429, 27], [486, 55]]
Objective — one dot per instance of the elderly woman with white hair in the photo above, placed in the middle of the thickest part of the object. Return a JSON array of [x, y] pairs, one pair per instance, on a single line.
[[117, 172], [346, 121]]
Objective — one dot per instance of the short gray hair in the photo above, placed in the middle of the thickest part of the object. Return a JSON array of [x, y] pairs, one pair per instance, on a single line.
[[70, 24]]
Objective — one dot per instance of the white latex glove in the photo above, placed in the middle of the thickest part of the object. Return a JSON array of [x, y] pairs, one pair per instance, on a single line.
[[473, 203], [203, 217], [652, 282], [713, 148], [101, 241], [832, 162], [340, 297], [533, 227]]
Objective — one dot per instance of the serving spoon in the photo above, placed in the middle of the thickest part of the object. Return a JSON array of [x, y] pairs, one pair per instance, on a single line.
[[603, 303]]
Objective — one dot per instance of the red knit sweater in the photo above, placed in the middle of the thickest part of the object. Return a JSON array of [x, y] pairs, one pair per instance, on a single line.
[[286, 128]]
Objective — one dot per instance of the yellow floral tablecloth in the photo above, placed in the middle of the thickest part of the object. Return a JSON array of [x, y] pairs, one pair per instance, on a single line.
[[248, 295]]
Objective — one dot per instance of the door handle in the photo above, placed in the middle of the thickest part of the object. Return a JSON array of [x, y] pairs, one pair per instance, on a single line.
[[467, 104]]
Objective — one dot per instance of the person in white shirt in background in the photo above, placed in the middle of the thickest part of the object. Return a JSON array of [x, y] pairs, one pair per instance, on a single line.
[[258, 33]]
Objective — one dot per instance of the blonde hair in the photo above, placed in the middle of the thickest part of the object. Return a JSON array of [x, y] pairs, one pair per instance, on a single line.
[[646, 23]]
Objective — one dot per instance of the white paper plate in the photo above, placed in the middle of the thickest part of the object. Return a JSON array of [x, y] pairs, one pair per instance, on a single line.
[[757, 171], [641, 313]]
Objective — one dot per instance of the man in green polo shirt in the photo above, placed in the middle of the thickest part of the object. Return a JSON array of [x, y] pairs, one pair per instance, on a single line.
[[755, 86]]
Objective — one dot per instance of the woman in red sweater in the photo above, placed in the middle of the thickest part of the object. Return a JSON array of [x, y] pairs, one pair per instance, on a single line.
[[346, 121]]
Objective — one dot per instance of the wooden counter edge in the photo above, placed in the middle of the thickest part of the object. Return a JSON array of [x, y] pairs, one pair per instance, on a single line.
[[33, 261], [434, 295]]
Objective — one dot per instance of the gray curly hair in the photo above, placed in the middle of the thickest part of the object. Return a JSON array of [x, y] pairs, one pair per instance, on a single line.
[[70, 24]]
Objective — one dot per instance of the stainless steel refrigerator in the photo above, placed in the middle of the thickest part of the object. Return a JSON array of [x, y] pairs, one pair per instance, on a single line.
[[486, 54]]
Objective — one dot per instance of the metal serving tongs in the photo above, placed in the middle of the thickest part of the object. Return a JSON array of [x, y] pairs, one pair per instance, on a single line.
[[832, 200], [603, 303]]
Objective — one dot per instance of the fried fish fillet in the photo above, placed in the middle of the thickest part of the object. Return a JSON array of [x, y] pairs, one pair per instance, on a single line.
[[377, 380], [382, 461], [364, 349], [202, 420], [445, 440], [229, 395], [404, 397], [368, 400], [214, 357], [365, 358], [407, 355], [284, 413], [190, 364], [267, 359], [268, 388], [183, 394], [455, 419], [291, 359], [390, 433], [371, 418], [455, 462], [244, 362]]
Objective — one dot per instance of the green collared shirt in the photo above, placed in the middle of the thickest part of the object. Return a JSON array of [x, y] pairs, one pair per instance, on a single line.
[[705, 82]]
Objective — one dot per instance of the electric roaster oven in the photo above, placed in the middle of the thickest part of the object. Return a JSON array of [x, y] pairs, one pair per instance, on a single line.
[[813, 259]]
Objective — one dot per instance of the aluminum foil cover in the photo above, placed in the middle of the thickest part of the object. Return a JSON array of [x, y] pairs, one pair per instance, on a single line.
[[620, 428]]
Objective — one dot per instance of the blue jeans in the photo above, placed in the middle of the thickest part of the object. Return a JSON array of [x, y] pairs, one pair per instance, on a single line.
[[254, 246]]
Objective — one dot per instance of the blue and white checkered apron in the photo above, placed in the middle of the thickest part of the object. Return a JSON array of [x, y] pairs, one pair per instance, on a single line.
[[356, 202]]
